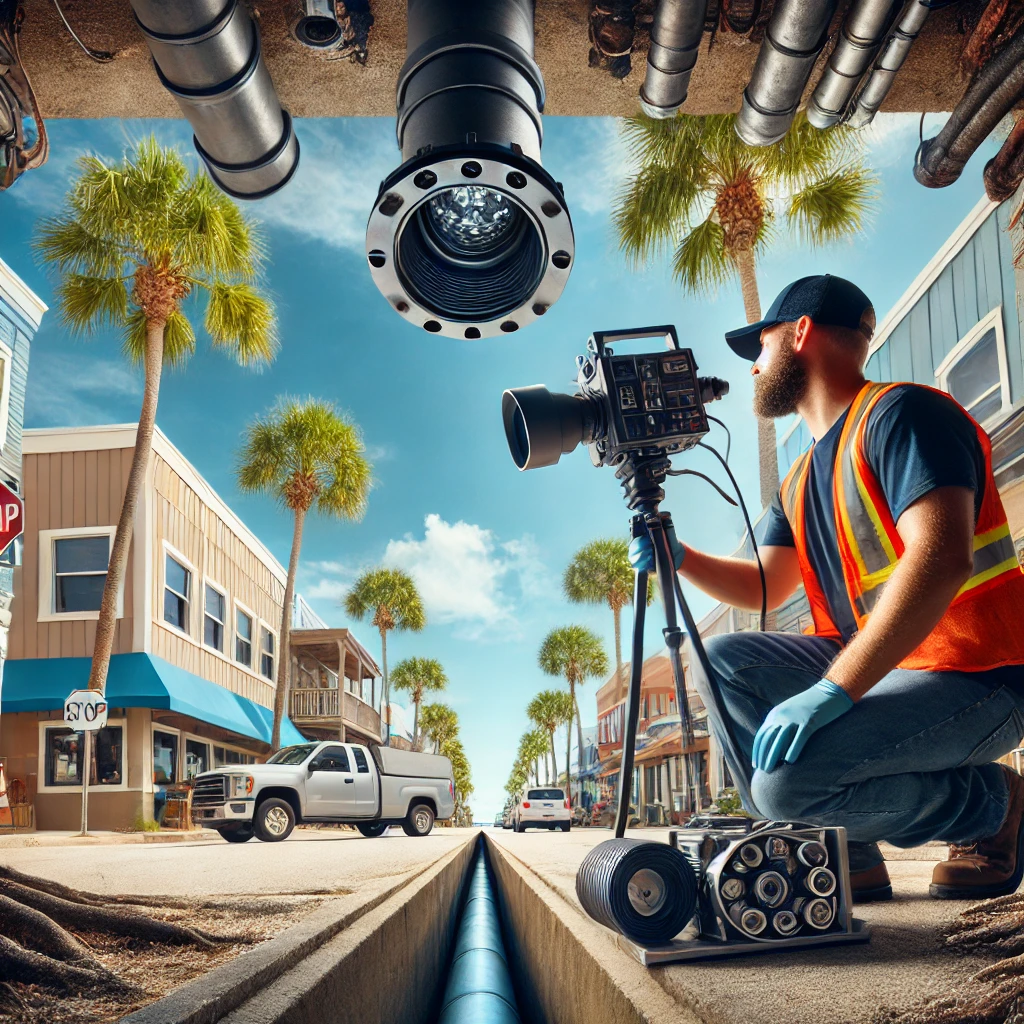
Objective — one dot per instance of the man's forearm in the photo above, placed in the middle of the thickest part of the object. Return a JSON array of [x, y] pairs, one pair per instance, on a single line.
[[734, 581], [916, 597]]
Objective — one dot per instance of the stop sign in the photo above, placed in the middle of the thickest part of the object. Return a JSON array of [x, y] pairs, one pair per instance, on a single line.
[[12, 516]]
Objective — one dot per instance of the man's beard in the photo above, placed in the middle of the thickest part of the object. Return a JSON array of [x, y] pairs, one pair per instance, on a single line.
[[778, 389]]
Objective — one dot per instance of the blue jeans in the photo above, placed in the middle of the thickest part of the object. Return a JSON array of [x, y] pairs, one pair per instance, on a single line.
[[909, 763]]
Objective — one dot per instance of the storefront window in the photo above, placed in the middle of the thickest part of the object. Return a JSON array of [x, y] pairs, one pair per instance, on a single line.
[[63, 755], [165, 757], [225, 755], [197, 758]]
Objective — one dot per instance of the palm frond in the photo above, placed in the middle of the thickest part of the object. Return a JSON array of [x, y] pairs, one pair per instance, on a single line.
[[133, 337], [391, 589], [86, 303], [653, 209], [240, 319], [833, 206], [179, 339], [701, 264], [806, 152], [264, 460], [217, 238], [67, 244]]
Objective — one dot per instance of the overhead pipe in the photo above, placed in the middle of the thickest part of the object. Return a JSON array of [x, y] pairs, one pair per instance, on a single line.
[[863, 32], [1005, 171], [675, 42], [796, 33], [995, 90], [890, 60], [479, 987], [208, 56]]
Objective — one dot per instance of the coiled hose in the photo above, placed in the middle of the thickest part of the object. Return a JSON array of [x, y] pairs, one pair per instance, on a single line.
[[993, 91], [479, 989]]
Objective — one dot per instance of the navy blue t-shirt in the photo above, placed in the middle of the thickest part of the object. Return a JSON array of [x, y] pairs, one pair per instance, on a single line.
[[916, 441]]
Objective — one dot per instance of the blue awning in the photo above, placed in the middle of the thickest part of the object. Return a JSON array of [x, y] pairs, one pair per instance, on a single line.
[[138, 681]]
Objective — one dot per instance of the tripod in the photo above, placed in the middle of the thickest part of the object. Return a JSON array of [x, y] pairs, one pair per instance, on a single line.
[[642, 478]]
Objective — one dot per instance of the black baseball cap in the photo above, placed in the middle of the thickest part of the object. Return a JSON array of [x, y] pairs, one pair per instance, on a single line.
[[824, 298]]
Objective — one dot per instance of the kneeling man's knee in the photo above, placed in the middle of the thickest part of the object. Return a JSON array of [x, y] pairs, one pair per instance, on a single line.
[[785, 794]]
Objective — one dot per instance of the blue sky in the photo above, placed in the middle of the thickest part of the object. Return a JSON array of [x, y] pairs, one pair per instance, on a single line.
[[486, 543]]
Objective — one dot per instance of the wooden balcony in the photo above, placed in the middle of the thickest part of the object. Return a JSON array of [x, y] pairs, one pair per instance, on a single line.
[[332, 708]]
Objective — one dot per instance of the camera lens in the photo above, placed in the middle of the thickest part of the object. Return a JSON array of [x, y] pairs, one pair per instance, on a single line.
[[814, 855], [771, 889], [821, 882], [472, 219], [732, 888], [541, 426]]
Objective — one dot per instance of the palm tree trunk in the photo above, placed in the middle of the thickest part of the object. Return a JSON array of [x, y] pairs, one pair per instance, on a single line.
[[554, 763], [416, 723], [767, 456], [617, 615], [284, 655], [387, 690], [568, 744], [107, 622], [579, 748]]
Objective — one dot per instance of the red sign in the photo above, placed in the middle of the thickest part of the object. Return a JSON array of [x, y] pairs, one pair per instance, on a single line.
[[12, 516]]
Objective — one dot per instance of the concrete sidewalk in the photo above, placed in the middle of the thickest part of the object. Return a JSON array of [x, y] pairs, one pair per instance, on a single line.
[[843, 985], [20, 839]]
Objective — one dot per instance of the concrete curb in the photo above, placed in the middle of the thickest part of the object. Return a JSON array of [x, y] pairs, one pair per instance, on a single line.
[[566, 967], [210, 997], [18, 841]]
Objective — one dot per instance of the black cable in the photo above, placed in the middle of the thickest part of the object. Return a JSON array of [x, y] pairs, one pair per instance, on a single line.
[[706, 479], [100, 56], [750, 531], [728, 434]]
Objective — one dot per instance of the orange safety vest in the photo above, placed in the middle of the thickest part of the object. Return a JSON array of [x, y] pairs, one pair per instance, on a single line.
[[983, 627]]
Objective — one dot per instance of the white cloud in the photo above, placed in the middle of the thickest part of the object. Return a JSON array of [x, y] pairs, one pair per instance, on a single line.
[[892, 138], [466, 577], [340, 169], [327, 580], [67, 390]]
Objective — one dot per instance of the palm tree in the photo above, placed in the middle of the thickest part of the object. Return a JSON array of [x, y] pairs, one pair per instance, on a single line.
[[533, 745], [600, 573], [440, 723], [548, 710], [463, 778], [135, 238], [713, 198], [307, 455], [392, 597], [577, 654], [418, 676]]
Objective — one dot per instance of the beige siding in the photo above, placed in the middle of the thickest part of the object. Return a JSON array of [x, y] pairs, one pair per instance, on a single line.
[[62, 490], [217, 554]]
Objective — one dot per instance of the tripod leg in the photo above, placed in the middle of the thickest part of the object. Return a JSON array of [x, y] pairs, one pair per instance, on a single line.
[[636, 668]]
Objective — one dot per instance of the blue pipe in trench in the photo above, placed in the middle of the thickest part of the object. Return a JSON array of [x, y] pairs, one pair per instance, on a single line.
[[479, 989]]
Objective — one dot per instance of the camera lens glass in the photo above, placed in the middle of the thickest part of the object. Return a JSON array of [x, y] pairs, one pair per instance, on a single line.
[[821, 881], [472, 219]]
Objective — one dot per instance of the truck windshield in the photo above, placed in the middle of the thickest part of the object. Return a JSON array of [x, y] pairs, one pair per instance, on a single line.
[[542, 794], [293, 755]]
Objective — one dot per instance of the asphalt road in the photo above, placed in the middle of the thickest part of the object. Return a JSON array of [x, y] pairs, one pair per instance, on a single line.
[[309, 860]]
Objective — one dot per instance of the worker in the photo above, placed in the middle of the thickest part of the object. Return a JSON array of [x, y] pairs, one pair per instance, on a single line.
[[888, 718]]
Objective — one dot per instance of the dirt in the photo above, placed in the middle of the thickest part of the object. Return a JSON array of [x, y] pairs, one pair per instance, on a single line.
[[156, 968]]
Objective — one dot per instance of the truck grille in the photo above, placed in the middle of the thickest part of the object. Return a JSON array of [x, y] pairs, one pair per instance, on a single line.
[[209, 791]]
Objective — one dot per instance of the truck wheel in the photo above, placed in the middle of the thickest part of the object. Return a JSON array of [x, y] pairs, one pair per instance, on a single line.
[[274, 820], [239, 834], [521, 827], [372, 829], [419, 821], [566, 826]]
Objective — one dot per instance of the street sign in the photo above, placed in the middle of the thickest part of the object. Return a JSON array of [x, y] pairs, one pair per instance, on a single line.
[[12, 516], [85, 710]]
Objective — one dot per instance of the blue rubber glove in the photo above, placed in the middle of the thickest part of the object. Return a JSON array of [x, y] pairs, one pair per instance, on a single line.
[[792, 723], [641, 552]]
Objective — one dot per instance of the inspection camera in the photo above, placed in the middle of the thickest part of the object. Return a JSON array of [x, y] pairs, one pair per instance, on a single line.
[[722, 887], [470, 237]]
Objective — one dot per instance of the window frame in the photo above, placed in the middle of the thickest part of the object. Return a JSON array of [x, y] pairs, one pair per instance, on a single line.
[[254, 625], [47, 604], [58, 723], [171, 552], [169, 730], [993, 319], [183, 744], [6, 357], [277, 649], [224, 626]]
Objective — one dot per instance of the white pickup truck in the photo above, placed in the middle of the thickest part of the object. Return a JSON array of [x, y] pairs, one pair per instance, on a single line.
[[338, 783]]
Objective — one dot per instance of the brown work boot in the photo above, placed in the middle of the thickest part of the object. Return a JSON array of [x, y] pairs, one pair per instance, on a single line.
[[871, 885], [986, 867]]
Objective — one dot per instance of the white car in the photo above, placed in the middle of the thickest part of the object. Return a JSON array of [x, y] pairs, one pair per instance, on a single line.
[[541, 807]]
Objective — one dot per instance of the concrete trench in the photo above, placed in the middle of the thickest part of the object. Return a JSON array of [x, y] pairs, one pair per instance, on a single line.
[[392, 962]]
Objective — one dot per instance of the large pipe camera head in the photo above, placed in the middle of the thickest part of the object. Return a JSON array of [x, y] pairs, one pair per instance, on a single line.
[[470, 237], [627, 405]]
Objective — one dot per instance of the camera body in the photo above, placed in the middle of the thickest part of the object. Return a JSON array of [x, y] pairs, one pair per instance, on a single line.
[[773, 883], [650, 402]]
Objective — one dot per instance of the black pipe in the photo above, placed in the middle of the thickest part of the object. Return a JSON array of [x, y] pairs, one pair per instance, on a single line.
[[1005, 171], [479, 988], [993, 92]]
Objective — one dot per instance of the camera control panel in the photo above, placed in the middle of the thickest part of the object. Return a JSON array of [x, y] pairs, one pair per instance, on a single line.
[[655, 401]]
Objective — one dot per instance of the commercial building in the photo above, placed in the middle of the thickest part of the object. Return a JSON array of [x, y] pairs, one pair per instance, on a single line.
[[192, 676]]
